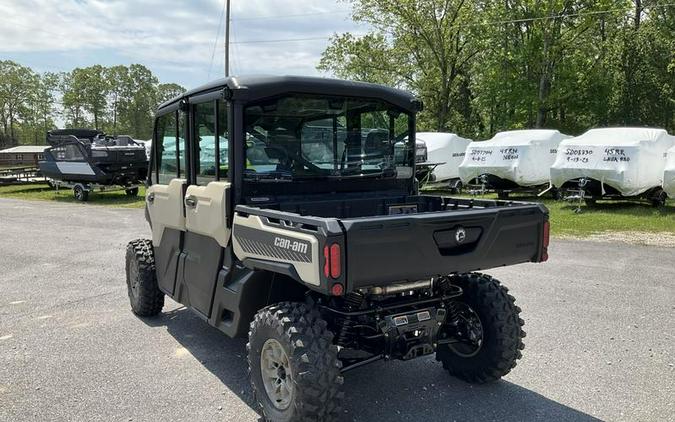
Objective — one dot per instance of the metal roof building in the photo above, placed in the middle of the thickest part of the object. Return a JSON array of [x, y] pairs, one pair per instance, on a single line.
[[22, 154]]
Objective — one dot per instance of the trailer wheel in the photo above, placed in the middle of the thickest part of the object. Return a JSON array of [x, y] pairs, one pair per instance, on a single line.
[[659, 198], [557, 194], [145, 297], [490, 329], [80, 193], [132, 192], [293, 364], [502, 194]]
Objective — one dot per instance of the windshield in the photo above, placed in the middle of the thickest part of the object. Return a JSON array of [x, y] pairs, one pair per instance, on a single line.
[[304, 136]]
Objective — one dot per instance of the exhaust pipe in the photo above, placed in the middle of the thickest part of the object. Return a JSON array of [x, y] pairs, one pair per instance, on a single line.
[[401, 287]]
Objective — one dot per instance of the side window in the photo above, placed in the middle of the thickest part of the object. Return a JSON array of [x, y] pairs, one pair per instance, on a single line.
[[205, 140], [182, 161], [166, 148], [68, 152], [223, 137]]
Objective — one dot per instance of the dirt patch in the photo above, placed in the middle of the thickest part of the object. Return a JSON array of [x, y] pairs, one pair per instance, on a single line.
[[664, 239]]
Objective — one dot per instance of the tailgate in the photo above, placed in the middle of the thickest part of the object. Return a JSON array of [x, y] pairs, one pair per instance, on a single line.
[[411, 247]]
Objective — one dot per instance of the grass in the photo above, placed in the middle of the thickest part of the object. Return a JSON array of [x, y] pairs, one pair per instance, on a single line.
[[43, 192], [601, 218], [605, 216]]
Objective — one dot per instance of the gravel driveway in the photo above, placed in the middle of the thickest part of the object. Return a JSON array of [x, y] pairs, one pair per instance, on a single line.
[[600, 319]]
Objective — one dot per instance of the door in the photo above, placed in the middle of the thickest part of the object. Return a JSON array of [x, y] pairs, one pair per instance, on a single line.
[[206, 204], [164, 197]]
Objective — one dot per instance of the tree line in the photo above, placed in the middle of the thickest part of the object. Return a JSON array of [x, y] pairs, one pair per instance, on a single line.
[[116, 100], [491, 65]]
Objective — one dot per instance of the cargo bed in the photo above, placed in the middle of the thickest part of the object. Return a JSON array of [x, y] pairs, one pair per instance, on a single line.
[[407, 238]]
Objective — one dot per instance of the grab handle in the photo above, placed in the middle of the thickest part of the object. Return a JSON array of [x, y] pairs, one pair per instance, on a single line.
[[190, 201]]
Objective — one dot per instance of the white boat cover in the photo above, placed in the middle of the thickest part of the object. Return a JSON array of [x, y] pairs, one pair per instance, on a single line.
[[447, 148], [522, 156], [631, 160], [669, 173]]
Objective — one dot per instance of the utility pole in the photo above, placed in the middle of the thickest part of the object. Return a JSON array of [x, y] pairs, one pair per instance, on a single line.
[[227, 38]]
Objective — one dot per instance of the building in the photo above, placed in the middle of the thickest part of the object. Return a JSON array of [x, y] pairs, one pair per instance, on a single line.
[[22, 155]]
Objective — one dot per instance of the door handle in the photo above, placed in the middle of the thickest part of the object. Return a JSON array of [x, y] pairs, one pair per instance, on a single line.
[[151, 197], [190, 201]]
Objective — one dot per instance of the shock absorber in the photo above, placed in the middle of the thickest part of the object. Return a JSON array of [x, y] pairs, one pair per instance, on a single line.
[[353, 301]]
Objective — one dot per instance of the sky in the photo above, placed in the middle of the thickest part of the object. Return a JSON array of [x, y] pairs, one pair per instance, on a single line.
[[180, 41]]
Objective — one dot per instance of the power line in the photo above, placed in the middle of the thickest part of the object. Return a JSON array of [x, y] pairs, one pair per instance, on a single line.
[[236, 52], [501, 22], [299, 15], [564, 15], [280, 40], [215, 42]]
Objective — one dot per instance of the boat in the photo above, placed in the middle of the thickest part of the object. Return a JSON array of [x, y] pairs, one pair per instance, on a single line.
[[87, 159]]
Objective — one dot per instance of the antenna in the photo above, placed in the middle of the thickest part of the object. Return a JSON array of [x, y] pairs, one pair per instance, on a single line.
[[227, 38]]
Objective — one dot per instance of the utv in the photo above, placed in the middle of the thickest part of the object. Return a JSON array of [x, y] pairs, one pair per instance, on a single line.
[[87, 159], [319, 247]]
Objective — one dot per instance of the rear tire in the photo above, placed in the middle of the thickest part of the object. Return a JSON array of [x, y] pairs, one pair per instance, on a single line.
[[502, 331], [132, 192], [145, 297], [305, 353], [80, 193]]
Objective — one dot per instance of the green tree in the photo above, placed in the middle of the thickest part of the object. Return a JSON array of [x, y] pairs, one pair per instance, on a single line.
[[16, 86], [165, 92], [86, 91], [425, 46], [139, 101], [73, 101], [116, 77], [644, 62]]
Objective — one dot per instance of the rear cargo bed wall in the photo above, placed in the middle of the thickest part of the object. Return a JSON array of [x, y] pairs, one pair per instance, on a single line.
[[355, 207]]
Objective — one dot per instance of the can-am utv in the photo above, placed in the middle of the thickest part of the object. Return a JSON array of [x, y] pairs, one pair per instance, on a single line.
[[318, 247], [86, 159]]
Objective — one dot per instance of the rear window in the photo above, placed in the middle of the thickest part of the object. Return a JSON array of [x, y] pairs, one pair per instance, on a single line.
[[304, 136]]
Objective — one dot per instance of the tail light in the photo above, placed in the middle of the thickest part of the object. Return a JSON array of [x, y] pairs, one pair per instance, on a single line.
[[332, 266], [335, 261], [326, 261], [546, 237]]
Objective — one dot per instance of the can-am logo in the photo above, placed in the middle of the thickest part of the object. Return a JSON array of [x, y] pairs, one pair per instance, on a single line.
[[460, 235], [292, 245]]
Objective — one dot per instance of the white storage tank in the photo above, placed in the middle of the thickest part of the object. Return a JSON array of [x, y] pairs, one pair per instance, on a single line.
[[614, 162], [669, 173], [513, 159], [446, 148]]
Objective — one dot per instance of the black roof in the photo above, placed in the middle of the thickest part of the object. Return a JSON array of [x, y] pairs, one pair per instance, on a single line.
[[253, 88], [77, 132]]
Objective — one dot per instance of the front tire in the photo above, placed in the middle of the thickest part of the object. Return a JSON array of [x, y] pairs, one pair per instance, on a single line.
[[293, 364], [145, 297], [500, 329]]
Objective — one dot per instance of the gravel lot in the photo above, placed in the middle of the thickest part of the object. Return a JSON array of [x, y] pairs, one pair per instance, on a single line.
[[600, 319]]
